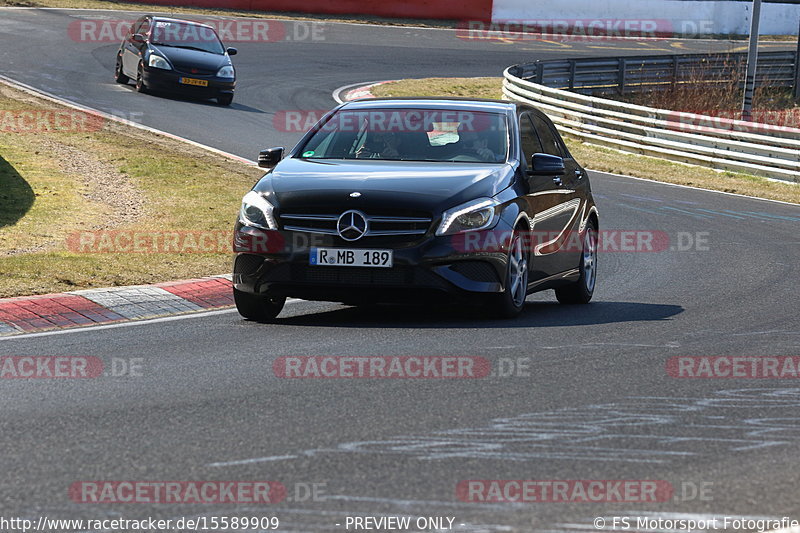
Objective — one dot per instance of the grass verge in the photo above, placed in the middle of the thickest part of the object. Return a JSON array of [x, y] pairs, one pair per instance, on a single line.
[[600, 158], [62, 184]]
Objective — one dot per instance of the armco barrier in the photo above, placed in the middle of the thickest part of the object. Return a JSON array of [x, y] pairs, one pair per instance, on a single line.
[[633, 74], [723, 144]]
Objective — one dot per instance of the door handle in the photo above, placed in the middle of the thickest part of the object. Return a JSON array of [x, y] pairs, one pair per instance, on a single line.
[[557, 180], [578, 174]]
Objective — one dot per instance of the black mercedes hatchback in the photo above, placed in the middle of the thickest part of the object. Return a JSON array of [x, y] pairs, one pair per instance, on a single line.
[[177, 56], [401, 200]]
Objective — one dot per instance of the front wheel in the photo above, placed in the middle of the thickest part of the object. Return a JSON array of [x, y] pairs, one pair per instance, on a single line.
[[225, 99], [582, 290], [120, 76], [256, 307], [511, 301], [140, 86]]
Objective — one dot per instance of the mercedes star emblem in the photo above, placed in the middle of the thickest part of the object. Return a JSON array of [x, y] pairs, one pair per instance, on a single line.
[[352, 225]]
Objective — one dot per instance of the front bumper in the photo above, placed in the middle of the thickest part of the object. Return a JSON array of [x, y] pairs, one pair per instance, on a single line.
[[277, 263], [170, 81]]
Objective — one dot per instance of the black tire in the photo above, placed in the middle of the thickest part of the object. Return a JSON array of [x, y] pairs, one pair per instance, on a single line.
[[582, 290], [511, 301], [119, 76], [256, 307], [225, 99], [140, 86]]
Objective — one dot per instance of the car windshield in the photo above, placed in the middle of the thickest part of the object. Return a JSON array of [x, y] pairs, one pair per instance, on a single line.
[[186, 35], [443, 135]]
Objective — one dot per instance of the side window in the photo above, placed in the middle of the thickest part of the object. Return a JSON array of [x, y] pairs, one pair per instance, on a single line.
[[145, 27], [548, 137], [529, 140]]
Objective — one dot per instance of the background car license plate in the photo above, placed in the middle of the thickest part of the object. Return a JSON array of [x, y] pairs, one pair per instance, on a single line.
[[350, 257], [193, 81]]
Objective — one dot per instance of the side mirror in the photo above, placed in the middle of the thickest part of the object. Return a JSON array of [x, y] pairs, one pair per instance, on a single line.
[[270, 157], [546, 165], [232, 51], [138, 38]]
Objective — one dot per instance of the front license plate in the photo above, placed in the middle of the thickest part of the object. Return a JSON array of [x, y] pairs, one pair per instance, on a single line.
[[193, 81], [350, 257]]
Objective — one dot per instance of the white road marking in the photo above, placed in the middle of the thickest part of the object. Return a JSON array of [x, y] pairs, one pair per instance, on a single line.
[[255, 460]]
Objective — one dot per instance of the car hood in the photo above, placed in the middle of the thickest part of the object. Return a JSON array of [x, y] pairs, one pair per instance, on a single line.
[[184, 59], [299, 185]]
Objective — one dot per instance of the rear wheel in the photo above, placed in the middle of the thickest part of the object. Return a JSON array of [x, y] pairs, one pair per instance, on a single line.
[[119, 76], [140, 86], [257, 307], [511, 301], [582, 290], [225, 99]]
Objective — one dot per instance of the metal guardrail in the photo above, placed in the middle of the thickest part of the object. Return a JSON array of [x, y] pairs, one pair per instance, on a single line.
[[718, 143], [625, 75]]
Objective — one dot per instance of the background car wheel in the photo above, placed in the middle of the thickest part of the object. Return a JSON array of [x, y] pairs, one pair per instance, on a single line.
[[225, 99], [140, 86], [582, 290], [118, 75], [511, 301], [256, 307]]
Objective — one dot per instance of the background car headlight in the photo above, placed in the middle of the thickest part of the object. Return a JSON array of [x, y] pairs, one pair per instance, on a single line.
[[475, 215], [225, 72], [257, 211], [158, 62]]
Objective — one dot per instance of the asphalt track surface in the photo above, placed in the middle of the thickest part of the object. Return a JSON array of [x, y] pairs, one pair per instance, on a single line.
[[595, 403]]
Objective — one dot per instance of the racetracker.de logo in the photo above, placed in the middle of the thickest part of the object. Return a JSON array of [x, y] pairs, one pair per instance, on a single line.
[[565, 29], [763, 121], [177, 492], [737, 366], [229, 31], [564, 490], [50, 367], [48, 120], [542, 242], [384, 121], [386, 367]]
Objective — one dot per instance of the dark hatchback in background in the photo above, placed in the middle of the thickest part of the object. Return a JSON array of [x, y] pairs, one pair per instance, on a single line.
[[388, 200], [176, 56]]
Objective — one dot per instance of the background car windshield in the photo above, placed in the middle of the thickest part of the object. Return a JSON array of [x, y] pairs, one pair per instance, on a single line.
[[186, 35], [411, 135]]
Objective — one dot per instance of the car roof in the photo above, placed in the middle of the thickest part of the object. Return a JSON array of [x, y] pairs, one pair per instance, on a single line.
[[184, 21], [456, 104]]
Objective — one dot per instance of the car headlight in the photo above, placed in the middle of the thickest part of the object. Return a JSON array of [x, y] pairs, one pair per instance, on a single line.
[[257, 211], [158, 62], [226, 72], [475, 215]]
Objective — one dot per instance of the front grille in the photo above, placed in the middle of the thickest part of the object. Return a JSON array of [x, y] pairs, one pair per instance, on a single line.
[[476, 271], [200, 72], [378, 225]]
